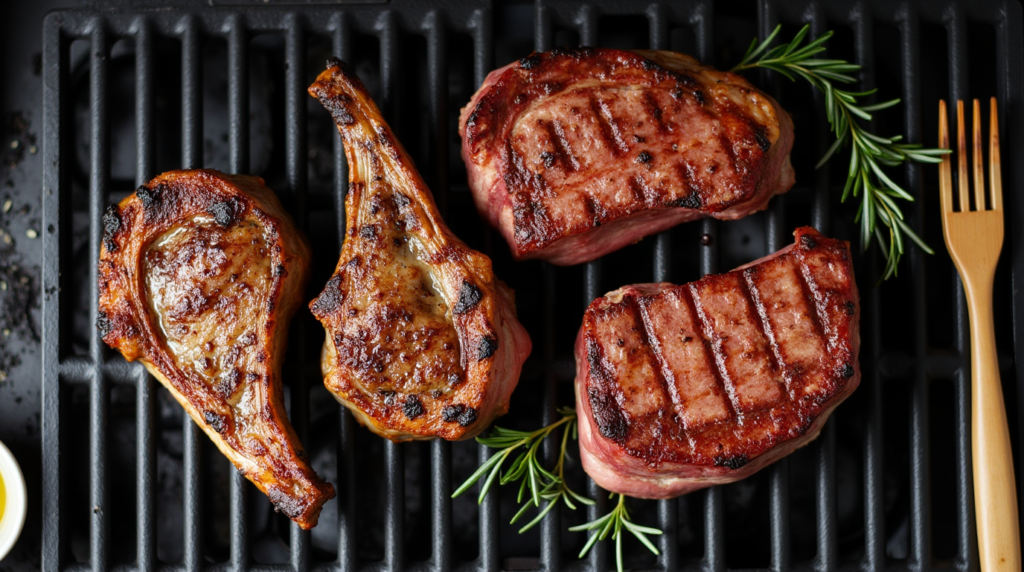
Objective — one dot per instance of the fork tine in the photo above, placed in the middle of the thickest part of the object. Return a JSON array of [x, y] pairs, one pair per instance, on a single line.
[[979, 161], [995, 175], [945, 171], [962, 181]]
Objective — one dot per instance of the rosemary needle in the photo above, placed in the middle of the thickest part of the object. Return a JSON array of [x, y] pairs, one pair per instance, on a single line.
[[869, 152]]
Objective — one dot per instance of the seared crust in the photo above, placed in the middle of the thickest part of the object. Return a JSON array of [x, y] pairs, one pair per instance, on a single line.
[[683, 387], [574, 153], [422, 340], [200, 273]]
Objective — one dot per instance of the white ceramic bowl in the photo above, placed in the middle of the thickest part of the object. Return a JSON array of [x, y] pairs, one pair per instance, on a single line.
[[14, 508]]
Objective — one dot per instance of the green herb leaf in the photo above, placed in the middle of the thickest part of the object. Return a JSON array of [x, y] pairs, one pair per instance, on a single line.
[[613, 524], [868, 152]]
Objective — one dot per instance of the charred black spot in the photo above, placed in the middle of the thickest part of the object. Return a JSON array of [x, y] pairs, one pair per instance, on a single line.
[[216, 421], [762, 140], [488, 345], [644, 157], [677, 93], [451, 413], [732, 462], [335, 62], [648, 65], [699, 96], [223, 213], [467, 417], [471, 120], [145, 195], [851, 308], [330, 299], [401, 201], [548, 158], [279, 270], [847, 370], [103, 324], [284, 503], [690, 201], [388, 395], [368, 232], [469, 296], [685, 80], [529, 62], [252, 376], [336, 104], [111, 224], [413, 407], [808, 242]]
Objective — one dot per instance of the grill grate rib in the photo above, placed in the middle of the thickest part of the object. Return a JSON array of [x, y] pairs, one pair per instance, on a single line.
[[701, 528]]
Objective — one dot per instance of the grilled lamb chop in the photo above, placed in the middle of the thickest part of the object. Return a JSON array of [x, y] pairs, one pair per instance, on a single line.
[[200, 273], [576, 153], [684, 387], [422, 340]]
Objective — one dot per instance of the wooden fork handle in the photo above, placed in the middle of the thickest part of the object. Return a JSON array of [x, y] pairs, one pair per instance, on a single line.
[[995, 493]]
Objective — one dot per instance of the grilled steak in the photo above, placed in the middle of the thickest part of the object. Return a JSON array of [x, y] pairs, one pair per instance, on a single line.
[[576, 153], [200, 273], [422, 340], [684, 387]]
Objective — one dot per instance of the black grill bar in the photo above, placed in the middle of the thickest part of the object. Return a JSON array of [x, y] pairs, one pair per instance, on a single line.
[[238, 143], [98, 396], [145, 390], [65, 372]]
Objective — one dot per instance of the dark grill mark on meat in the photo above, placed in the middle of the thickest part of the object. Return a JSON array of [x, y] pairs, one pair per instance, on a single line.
[[851, 308], [762, 140], [699, 96], [610, 132], [610, 422], [413, 407], [808, 242], [563, 151], [337, 106], [469, 296], [103, 323], [733, 462], [638, 188], [758, 308], [216, 421], [648, 65], [488, 345], [223, 213], [111, 225], [690, 201], [722, 379], [651, 106], [644, 157]]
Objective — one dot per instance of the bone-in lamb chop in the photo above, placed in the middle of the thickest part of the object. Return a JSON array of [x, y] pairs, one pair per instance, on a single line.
[[200, 273], [575, 153], [422, 339], [684, 387]]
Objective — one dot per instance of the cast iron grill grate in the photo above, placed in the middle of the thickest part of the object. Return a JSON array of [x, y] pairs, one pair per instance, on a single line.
[[134, 91]]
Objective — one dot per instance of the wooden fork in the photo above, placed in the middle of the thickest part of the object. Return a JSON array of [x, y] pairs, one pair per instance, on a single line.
[[974, 238]]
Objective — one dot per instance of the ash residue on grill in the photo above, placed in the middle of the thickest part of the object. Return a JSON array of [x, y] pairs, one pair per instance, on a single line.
[[18, 281]]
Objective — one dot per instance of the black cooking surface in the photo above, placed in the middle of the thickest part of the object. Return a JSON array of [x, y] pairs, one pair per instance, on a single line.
[[130, 483]]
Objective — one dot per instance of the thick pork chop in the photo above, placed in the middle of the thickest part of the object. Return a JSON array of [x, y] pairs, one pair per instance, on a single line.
[[200, 273], [422, 339], [684, 387], [576, 153]]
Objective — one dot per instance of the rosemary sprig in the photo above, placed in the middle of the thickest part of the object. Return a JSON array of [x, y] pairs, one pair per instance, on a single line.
[[538, 482], [613, 524], [870, 152]]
